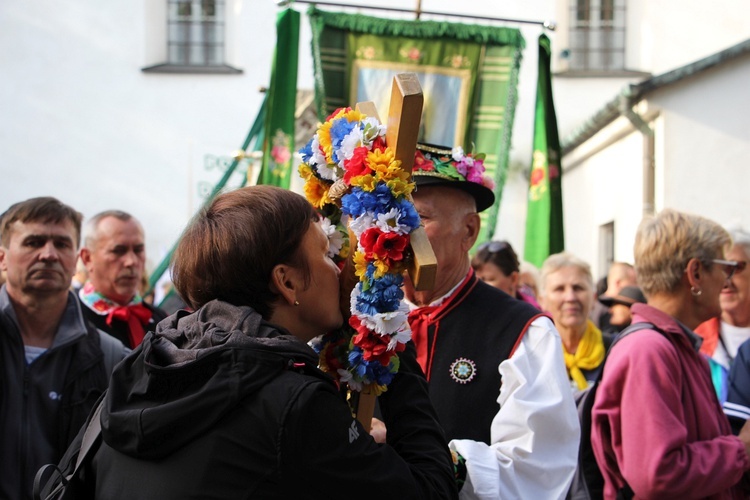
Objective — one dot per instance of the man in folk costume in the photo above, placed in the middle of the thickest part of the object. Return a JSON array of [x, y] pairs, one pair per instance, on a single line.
[[114, 254], [494, 364]]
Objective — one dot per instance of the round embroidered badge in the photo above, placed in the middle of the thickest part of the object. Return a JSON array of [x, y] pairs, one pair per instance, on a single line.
[[463, 370]]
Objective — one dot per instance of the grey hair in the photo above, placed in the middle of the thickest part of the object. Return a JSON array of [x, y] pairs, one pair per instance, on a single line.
[[740, 238], [557, 261], [91, 229]]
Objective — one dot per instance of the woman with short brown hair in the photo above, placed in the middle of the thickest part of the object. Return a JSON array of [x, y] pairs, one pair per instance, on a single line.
[[228, 402]]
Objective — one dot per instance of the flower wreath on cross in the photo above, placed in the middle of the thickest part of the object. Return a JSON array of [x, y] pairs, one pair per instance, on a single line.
[[348, 155]]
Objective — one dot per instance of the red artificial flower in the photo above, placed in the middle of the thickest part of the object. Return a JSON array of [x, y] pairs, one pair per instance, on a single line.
[[422, 163], [374, 347], [390, 247], [356, 165], [332, 115], [378, 144]]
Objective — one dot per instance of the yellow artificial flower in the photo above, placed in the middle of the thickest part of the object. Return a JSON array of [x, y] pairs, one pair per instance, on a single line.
[[400, 187], [366, 182], [305, 171], [360, 265], [324, 137], [352, 115], [381, 269], [376, 389], [316, 192]]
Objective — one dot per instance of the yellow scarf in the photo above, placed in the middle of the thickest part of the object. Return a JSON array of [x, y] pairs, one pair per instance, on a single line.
[[589, 355]]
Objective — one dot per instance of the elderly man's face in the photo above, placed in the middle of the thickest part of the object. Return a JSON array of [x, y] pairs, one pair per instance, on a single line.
[[117, 260], [735, 296], [40, 257], [443, 212]]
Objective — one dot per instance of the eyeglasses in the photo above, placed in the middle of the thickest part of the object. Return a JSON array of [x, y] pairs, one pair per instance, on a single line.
[[730, 267], [493, 246]]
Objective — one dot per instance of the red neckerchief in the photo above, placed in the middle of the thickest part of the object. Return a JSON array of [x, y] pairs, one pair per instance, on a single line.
[[420, 320], [137, 316]]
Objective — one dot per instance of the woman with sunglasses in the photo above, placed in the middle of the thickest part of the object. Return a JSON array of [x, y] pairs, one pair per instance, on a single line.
[[722, 336], [496, 263], [658, 430]]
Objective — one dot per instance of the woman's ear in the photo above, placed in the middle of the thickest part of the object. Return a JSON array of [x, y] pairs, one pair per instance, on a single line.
[[693, 272], [284, 282]]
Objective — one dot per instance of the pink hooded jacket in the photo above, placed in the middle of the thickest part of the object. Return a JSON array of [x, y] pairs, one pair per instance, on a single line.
[[656, 421]]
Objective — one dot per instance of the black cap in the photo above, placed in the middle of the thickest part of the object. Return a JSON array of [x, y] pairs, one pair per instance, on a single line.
[[628, 296]]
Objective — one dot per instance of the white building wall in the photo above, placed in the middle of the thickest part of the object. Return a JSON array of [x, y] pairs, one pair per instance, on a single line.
[[604, 188], [706, 142]]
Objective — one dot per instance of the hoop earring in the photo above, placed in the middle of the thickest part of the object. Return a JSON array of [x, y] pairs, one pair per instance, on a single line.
[[696, 291]]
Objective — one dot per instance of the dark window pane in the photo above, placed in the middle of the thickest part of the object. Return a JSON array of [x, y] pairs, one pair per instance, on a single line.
[[582, 10], [195, 32]]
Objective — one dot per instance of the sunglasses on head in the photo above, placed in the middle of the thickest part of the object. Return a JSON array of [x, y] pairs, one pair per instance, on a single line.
[[493, 246], [730, 267]]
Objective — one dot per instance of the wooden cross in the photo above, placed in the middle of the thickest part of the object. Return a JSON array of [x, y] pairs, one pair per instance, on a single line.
[[404, 116]]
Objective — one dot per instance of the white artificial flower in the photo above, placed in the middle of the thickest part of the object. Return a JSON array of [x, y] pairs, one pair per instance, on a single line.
[[335, 238], [318, 157], [372, 129], [386, 323], [389, 222], [361, 224], [457, 153], [347, 378], [328, 171], [352, 140], [401, 336]]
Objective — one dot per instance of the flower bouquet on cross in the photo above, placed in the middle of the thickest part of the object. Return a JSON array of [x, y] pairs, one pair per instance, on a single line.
[[353, 178]]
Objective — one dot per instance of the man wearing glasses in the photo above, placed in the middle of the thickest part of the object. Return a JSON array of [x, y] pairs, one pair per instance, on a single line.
[[722, 336]]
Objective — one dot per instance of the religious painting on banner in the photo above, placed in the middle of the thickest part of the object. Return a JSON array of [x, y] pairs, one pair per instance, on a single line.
[[468, 74]]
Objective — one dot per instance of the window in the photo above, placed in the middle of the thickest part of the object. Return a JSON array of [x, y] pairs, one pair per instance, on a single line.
[[597, 35], [196, 32], [193, 34]]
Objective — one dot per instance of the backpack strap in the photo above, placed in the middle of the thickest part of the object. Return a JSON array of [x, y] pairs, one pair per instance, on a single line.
[[88, 446], [627, 331]]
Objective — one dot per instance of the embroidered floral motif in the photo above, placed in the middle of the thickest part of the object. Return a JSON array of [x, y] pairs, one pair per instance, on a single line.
[[411, 53], [463, 370]]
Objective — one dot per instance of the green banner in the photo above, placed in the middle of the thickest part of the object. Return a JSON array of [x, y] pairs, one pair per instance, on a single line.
[[282, 98], [468, 74], [544, 219]]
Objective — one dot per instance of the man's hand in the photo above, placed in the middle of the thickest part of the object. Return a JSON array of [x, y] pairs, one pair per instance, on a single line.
[[378, 431]]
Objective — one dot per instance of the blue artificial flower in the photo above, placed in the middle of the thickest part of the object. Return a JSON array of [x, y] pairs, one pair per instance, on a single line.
[[409, 216], [352, 205], [339, 130], [379, 298], [306, 152], [384, 198]]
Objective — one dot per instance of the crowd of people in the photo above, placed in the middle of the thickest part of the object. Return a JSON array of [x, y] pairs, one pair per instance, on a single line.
[[225, 399]]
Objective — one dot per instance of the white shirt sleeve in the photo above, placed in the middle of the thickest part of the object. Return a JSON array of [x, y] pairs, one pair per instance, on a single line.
[[535, 434]]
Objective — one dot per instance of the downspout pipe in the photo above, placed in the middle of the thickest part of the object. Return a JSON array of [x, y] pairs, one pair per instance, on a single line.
[[627, 101]]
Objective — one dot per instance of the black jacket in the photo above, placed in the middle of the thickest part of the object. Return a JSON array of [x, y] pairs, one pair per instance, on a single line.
[[44, 404], [119, 329], [220, 404]]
